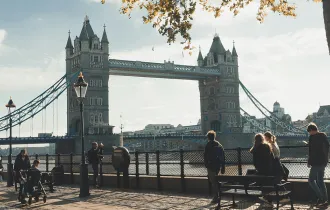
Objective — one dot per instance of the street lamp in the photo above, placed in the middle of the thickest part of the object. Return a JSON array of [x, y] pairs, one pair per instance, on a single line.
[[10, 164], [81, 88]]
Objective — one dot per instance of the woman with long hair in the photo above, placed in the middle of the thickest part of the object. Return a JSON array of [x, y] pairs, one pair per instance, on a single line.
[[271, 139], [263, 157], [280, 170]]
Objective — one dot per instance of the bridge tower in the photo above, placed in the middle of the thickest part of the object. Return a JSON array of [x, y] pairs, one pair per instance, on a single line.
[[90, 55], [219, 96]]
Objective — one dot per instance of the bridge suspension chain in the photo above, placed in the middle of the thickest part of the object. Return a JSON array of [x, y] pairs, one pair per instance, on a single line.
[[262, 128], [30, 109], [269, 115]]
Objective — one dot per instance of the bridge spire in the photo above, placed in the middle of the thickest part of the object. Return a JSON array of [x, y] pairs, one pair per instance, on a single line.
[[69, 42], [104, 36], [200, 57], [234, 53]]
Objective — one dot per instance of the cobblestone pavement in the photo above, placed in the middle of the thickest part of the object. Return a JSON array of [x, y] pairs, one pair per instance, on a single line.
[[67, 198]]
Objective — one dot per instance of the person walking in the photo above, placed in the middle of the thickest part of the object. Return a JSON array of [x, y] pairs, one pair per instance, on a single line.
[[214, 161], [318, 146], [1, 170], [94, 155]]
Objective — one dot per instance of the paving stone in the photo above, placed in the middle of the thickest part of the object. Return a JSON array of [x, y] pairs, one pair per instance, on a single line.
[[67, 198]]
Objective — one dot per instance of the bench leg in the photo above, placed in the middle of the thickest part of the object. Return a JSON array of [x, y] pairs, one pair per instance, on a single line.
[[219, 202], [291, 202], [233, 197]]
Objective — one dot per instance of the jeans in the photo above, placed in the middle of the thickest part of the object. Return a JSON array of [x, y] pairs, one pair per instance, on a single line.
[[316, 181], [95, 167], [211, 174]]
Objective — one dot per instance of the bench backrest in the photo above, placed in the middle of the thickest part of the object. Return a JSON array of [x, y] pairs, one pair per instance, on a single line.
[[243, 180]]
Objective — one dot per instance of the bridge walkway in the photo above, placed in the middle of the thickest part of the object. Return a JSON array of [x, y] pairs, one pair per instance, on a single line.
[[66, 197]]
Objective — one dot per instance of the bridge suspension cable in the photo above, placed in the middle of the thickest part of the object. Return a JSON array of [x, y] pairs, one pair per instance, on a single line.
[[36, 105], [255, 123], [269, 115]]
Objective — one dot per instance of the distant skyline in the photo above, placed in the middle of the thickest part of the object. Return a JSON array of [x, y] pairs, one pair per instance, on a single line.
[[284, 59]]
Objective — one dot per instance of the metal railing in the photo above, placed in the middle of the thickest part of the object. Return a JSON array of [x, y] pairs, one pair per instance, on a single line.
[[179, 163]]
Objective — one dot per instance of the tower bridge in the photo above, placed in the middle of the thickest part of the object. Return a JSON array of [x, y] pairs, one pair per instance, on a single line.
[[217, 75]]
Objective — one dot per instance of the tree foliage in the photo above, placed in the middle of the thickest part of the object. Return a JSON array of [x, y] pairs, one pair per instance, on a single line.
[[173, 18]]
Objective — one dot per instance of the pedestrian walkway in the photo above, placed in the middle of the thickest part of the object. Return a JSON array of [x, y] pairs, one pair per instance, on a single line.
[[66, 198]]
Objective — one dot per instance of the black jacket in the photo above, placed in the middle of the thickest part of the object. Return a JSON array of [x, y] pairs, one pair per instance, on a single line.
[[318, 150], [209, 155], [22, 164], [263, 160], [94, 156]]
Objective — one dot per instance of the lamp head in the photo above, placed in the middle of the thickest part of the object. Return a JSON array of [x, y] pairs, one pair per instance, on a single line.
[[80, 86], [10, 104]]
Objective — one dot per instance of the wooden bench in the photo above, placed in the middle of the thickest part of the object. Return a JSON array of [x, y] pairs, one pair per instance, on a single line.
[[253, 186]]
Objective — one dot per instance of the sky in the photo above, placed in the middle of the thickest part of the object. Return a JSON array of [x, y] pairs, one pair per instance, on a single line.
[[283, 59]]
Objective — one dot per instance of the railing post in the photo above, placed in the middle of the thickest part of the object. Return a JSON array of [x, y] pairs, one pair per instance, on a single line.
[[137, 169], [239, 161], [58, 159], [71, 168], [158, 170], [47, 163], [147, 163], [183, 184]]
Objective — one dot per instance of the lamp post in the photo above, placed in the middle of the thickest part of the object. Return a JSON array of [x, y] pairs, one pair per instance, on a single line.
[[81, 88], [10, 164]]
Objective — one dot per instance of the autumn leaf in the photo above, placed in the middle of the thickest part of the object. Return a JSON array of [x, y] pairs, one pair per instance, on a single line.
[[173, 18]]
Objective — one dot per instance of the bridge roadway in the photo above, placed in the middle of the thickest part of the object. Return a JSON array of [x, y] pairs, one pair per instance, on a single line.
[[36, 140], [55, 139], [167, 70]]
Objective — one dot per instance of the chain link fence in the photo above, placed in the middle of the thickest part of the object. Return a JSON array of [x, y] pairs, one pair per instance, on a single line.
[[179, 163]]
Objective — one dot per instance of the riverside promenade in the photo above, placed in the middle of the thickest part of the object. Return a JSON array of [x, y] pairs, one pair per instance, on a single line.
[[66, 197]]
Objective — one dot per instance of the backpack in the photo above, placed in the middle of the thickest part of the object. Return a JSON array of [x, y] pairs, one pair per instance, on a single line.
[[216, 158]]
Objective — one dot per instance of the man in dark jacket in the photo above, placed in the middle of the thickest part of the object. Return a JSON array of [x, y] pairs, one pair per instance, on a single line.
[[317, 160], [22, 162], [214, 160], [94, 157]]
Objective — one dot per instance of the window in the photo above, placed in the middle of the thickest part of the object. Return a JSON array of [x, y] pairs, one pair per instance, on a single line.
[[230, 105], [232, 121], [230, 71], [99, 101], [230, 89], [100, 118], [212, 91], [96, 59], [211, 104], [95, 83], [96, 46], [216, 126], [92, 119]]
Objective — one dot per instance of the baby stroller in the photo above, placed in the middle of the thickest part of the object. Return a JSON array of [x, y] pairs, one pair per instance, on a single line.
[[32, 186]]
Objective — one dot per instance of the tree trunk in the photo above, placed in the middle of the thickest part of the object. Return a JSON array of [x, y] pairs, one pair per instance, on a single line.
[[326, 16]]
